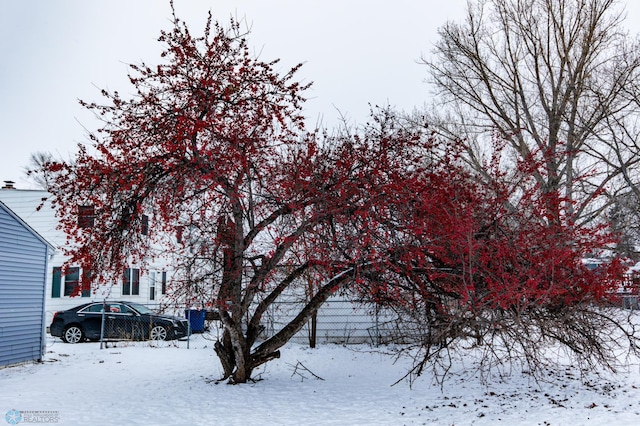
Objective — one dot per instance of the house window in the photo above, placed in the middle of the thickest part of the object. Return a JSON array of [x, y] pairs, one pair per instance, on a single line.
[[164, 282], [72, 284], [56, 282], [86, 216], [179, 231], [131, 282], [72, 281], [152, 286], [145, 224]]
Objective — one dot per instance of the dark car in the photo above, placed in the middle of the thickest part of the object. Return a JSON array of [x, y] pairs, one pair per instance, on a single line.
[[122, 320]]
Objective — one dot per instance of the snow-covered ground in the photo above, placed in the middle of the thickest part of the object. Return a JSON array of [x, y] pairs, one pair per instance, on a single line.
[[142, 384]]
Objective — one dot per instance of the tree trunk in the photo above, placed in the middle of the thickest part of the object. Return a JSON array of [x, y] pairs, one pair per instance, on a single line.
[[233, 352], [269, 349], [226, 359]]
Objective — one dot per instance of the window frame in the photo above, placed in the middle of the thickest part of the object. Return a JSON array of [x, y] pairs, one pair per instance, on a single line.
[[72, 281], [144, 226], [131, 282], [86, 216], [152, 285]]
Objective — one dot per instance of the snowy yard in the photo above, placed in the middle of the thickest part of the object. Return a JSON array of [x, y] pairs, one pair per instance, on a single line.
[[138, 384]]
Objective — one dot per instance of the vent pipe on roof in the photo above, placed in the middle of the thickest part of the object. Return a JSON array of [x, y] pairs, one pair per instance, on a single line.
[[8, 184]]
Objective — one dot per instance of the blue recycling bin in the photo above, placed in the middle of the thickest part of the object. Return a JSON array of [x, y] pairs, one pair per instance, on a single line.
[[196, 319]]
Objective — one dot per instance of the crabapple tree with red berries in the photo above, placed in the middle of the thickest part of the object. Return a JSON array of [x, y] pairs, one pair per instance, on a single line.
[[493, 263], [209, 164]]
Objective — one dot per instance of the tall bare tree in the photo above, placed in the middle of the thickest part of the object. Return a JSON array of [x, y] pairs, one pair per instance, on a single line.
[[558, 79], [36, 171]]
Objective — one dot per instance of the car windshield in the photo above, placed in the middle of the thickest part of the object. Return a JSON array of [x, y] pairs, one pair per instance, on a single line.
[[141, 308]]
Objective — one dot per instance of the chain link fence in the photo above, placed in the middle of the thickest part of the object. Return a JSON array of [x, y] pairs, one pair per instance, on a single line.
[[340, 321], [337, 321]]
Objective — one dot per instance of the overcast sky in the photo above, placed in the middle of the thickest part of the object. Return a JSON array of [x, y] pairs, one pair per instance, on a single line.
[[54, 52]]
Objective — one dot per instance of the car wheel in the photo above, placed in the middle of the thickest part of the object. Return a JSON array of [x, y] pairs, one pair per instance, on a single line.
[[73, 334], [158, 332]]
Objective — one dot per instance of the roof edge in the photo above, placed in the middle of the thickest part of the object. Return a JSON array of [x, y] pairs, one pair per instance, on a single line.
[[26, 225]]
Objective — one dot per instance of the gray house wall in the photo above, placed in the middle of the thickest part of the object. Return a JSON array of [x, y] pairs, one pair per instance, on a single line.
[[23, 272]]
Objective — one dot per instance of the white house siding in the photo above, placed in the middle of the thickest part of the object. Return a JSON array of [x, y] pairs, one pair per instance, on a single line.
[[23, 270], [25, 204], [339, 320]]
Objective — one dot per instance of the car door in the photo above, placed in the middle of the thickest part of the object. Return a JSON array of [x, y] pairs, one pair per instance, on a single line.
[[120, 322], [141, 324], [135, 324], [90, 319]]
